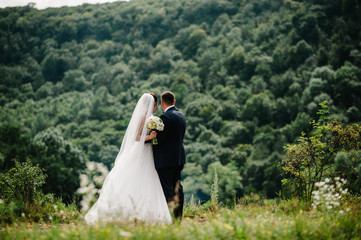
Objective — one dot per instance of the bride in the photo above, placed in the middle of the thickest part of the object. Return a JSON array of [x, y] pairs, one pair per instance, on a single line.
[[132, 190]]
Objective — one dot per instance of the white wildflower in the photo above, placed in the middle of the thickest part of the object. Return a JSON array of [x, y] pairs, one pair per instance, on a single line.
[[99, 180], [93, 178], [84, 180], [125, 234], [82, 190], [328, 194], [320, 184], [102, 169], [91, 166]]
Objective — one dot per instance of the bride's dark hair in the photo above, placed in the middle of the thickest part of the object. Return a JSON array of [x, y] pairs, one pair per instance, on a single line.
[[155, 97]]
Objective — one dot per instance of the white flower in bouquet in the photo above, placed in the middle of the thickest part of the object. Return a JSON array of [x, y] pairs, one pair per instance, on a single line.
[[154, 123]]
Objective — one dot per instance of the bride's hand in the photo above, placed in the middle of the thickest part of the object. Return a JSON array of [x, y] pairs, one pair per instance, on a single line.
[[153, 134]]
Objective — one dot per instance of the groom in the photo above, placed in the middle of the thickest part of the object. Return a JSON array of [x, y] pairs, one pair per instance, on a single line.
[[169, 154]]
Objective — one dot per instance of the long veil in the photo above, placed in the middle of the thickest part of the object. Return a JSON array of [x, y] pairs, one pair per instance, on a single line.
[[136, 129], [132, 189]]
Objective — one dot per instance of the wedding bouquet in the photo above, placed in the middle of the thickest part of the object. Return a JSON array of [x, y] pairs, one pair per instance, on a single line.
[[154, 123]]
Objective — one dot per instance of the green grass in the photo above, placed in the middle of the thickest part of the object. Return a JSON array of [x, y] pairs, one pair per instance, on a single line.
[[265, 219]]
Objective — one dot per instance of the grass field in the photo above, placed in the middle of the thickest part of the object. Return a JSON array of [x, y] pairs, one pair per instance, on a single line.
[[246, 220]]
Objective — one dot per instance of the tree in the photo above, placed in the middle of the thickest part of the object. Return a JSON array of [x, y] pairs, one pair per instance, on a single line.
[[235, 61], [259, 107], [74, 80], [193, 42], [299, 53], [62, 162], [13, 145], [347, 86], [194, 182], [55, 64]]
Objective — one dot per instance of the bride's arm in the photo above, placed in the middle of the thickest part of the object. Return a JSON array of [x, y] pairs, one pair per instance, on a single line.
[[152, 135], [141, 126]]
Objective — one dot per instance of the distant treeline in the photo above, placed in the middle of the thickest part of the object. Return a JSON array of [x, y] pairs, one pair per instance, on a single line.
[[248, 75]]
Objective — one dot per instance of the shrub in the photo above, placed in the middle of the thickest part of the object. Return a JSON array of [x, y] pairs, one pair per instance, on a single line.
[[23, 200], [22, 183], [312, 159]]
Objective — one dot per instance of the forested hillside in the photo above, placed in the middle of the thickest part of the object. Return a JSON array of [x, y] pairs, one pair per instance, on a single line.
[[247, 74]]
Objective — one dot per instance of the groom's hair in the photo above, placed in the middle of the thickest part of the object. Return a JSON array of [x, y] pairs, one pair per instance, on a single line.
[[168, 98], [155, 97]]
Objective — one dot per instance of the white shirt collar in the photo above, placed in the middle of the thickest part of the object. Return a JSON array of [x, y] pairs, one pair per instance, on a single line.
[[168, 108]]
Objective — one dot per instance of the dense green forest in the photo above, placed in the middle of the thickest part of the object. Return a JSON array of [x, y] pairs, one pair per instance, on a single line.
[[247, 74]]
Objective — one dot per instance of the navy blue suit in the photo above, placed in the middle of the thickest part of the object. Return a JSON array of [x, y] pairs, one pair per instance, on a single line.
[[169, 157]]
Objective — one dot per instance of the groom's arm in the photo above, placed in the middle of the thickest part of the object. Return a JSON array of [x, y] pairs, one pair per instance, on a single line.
[[162, 135]]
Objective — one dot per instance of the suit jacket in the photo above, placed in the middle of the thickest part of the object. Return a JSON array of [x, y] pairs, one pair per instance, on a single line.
[[169, 152]]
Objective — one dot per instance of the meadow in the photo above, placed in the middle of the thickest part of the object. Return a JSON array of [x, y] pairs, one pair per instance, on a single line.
[[250, 218]]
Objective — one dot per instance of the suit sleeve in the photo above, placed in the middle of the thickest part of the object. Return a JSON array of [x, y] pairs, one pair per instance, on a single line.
[[162, 135]]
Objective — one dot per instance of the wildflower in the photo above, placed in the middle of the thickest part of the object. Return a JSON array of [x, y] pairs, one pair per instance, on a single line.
[[90, 182], [55, 207], [320, 184], [84, 180], [102, 169], [99, 180], [90, 166], [328, 194], [23, 215], [125, 234]]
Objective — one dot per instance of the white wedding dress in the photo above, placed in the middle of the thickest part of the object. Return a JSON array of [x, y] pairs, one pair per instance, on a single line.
[[132, 190]]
